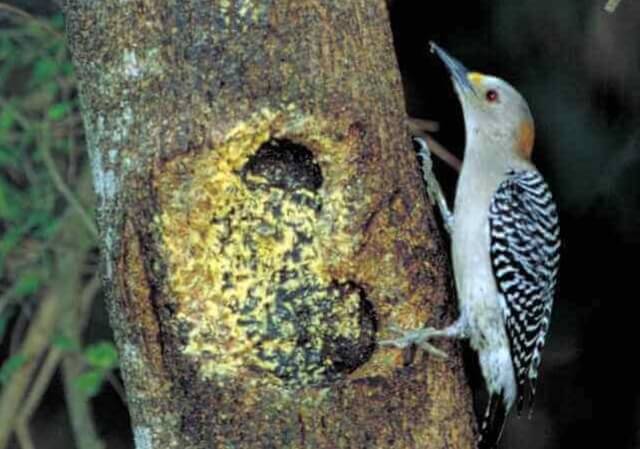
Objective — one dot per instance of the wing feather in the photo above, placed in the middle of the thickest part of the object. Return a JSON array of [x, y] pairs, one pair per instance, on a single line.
[[525, 254]]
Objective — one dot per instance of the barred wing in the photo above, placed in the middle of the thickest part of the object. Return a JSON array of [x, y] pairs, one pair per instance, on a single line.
[[525, 254]]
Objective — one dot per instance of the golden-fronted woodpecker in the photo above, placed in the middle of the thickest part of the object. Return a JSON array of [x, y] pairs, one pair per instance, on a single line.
[[505, 244]]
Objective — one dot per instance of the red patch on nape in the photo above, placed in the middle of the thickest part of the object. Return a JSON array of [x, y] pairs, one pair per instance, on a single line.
[[526, 135]]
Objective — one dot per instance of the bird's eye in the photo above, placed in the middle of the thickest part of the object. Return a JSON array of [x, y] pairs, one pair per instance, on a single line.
[[492, 95]]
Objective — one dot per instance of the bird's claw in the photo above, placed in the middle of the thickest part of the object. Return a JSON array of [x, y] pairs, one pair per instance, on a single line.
[[424, 153], [426, 165], [418, 337], [434, 191]]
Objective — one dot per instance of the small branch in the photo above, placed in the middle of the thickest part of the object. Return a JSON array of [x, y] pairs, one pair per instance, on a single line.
[[18, 329], [422, 128], [611, 6], [445, 155], [24, 437], [6, 299], [87, 296], [35, 342], [62, 187], [48, 369], [72, 246], [117, 386], [420, 125], [78, 403], [43, 137], [19, 117], [40, 385], [28, 17]]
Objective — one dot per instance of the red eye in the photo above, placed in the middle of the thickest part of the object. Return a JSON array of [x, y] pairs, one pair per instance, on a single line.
[[492, 96]]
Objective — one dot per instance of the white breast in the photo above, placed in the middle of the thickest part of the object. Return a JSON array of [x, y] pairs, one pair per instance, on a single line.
[[481, 305], [475, 283]]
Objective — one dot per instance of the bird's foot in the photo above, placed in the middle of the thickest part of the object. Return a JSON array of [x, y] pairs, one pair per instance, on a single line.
[[419, 337]]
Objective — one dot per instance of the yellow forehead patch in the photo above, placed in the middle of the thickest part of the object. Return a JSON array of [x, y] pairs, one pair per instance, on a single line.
[[526, 135], [475, 78]]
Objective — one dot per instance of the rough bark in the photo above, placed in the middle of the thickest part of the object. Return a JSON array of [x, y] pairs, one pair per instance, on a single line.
[[262, 223]]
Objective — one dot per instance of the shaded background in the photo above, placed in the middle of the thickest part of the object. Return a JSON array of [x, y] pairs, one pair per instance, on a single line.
[[579, 68]]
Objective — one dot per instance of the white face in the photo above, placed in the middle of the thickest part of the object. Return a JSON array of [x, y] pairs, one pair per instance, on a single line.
[[496, 116]]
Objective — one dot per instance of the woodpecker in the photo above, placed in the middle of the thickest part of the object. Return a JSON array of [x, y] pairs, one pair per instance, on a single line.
[[505, 245]]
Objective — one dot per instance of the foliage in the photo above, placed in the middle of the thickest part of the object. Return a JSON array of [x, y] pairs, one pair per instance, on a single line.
[[9, 367], [101, 357], [41, 154], [36, 103]]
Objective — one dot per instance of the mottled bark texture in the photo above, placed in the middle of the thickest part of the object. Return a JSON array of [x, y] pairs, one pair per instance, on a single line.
[[263, 221]]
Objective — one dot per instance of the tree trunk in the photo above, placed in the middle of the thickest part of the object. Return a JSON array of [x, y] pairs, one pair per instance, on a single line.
[[263, 222]]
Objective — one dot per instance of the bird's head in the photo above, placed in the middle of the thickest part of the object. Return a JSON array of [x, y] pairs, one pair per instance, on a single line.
[[496, 116]]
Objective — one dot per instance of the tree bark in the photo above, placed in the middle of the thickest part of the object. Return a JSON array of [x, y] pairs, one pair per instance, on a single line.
[[262, 223]]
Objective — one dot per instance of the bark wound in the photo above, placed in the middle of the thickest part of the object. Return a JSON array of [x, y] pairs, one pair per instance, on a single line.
[[266, 215], [254, 234]]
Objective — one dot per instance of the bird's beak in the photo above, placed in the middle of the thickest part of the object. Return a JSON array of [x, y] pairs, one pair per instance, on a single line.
[[459, 73]]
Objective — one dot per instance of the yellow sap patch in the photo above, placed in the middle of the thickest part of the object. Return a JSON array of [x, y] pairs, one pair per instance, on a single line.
[[251, 233]]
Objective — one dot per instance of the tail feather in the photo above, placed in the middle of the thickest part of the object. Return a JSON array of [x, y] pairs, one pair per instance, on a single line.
[[523, 395], [526, 396], [493, 422], [532, 395]]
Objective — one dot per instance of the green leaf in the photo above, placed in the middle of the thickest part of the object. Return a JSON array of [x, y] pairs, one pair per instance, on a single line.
[[65, 343], [12, 205], [44, 70], [7, 48], [57, 21], [27, 284], [7, 118], [67, 68], [7, 207], [46, 229], [10, 366], [59, 110], [8, 242], [102, 355], [8, 157], [90, 382], [50, 90]]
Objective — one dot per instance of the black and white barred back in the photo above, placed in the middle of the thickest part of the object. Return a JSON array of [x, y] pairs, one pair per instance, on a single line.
[[525, 254]]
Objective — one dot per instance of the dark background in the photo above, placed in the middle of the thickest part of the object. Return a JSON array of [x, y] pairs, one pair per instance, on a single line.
[[579, 68]]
